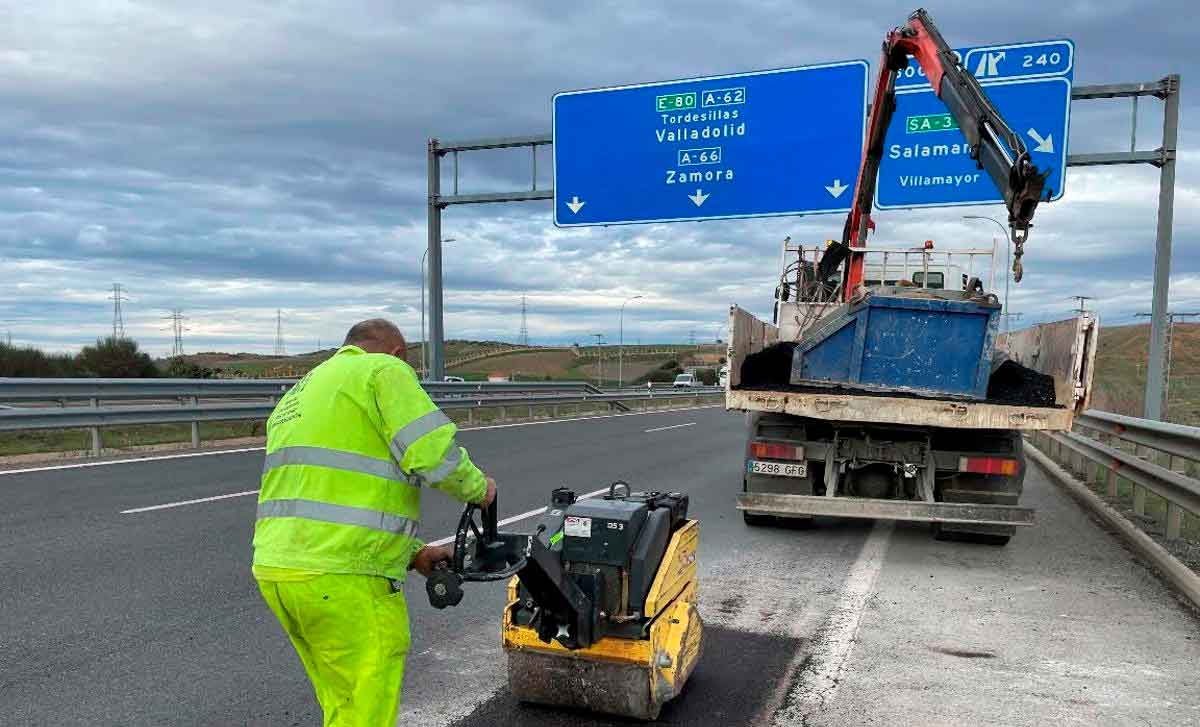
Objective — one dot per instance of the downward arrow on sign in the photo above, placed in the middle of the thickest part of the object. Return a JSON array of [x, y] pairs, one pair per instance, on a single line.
[[1046, 145], [575, 205], [837, 188], [698, 197]]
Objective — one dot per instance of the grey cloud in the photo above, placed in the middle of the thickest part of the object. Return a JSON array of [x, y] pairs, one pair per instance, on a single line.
[[234, 158]]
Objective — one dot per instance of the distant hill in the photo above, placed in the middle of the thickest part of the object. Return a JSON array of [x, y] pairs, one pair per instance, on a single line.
[[1120, 380], [477, 360]]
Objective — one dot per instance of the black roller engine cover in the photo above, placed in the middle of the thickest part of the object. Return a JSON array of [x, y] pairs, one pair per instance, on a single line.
[[602, 531], [647, 554]]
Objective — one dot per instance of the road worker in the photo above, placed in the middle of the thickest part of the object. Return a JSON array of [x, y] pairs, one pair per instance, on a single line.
[[349, 449]]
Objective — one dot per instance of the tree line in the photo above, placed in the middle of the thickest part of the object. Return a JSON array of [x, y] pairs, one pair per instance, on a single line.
[[110, 358]]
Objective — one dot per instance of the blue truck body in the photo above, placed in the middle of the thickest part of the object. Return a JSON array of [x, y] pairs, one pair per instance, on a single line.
[[930, 343]]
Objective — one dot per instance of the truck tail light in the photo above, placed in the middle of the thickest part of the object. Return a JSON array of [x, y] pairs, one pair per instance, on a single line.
[[771, 450], [989, 465]]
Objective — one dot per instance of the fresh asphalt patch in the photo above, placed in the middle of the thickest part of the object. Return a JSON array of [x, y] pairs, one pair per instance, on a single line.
[[735, 682]]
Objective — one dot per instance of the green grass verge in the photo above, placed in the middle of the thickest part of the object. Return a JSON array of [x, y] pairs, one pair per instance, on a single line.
[[71, 440], [1155, 510]]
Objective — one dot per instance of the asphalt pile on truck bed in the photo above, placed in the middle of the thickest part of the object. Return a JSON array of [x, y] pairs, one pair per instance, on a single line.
[[1010, 383], [769, 368]]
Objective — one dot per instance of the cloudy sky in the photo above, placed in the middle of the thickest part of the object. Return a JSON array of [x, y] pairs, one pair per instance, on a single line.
[[234, 158]]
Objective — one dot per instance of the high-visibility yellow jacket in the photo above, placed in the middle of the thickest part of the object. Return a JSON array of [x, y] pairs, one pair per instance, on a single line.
[[349, 449]]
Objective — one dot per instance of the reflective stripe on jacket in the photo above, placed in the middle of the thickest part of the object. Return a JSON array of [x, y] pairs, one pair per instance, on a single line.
[[349, 448]]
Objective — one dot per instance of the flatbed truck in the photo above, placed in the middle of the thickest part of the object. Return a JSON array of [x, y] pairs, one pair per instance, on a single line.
[[882, 409]]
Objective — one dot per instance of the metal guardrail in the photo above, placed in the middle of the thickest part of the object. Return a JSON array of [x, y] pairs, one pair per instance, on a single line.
[[501, 396], [59, 390], [1157, 457], [51, 390]]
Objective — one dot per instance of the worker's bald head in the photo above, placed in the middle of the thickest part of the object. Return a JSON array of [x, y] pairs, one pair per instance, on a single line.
[[377, 335]]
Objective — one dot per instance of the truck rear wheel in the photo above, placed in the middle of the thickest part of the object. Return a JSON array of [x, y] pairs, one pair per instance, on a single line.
[[944, 534], [984, 489], [755, 520]]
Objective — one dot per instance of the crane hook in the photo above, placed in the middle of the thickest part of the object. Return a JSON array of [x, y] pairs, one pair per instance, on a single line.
[[1019, 235]]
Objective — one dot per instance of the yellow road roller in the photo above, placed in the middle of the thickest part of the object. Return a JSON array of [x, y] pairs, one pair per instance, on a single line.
[[601, 609]]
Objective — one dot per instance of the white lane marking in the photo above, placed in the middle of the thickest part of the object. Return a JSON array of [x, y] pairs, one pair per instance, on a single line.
[[823, 668], [673, 426], [156, 458], [522, 516], [601, 416], [181, 503], [246, 493], [184, 455]]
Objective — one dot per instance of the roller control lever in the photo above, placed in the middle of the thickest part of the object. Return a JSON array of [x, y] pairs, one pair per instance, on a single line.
[[481, 553]]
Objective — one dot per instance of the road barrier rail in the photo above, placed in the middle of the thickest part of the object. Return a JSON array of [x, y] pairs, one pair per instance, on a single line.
[[1156, 457], [501, 397], [27, 390]]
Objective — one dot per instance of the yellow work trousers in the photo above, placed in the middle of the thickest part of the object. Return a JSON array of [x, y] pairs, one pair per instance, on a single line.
[[351, 633]]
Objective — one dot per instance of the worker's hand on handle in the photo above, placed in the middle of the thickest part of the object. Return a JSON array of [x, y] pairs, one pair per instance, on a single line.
[[490, 496], [428, 557]]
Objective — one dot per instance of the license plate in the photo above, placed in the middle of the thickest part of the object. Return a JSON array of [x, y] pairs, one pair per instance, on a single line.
[[778, 469]]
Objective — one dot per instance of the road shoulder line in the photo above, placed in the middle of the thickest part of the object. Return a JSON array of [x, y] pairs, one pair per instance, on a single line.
[[819, 667]]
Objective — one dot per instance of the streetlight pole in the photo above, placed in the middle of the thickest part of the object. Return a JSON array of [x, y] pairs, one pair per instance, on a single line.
[[424, 338], [1007, 258], [599, 360], [621, 344]]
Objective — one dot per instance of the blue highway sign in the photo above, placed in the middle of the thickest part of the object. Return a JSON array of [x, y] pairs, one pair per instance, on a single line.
[[782, 142], [926, 161]]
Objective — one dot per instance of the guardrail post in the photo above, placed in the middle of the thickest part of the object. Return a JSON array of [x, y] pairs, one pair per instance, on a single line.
[[554, 411], [470, 416], [97, 444], [1111, 481], [1139, 500], [503, 414], [195, 425], [531, 411], [1174, 521]]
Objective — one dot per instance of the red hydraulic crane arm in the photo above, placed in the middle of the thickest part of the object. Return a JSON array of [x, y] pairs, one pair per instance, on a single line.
[[994, 146]]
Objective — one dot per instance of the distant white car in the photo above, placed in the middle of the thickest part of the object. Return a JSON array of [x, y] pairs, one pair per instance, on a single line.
[[685, 381], [453, 379], [723, 377]]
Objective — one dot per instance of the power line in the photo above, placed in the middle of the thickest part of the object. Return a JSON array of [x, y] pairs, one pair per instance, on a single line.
[[279, 347], [177, 328], [118, 323], [523, 336]]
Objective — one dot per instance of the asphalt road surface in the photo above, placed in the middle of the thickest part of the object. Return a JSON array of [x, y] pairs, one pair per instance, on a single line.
[[109, 617]]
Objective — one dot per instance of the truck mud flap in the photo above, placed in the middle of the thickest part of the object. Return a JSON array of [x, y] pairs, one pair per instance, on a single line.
[[934, 512]]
